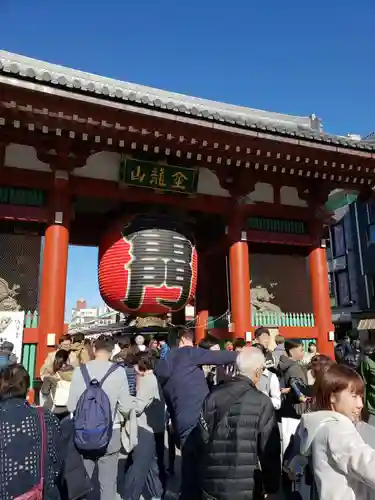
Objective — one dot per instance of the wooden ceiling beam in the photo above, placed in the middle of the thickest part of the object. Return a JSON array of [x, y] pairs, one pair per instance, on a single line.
[[259, 168], [106, 138], [172, 125]]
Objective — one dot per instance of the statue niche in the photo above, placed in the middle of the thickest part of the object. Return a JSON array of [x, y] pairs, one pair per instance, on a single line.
[[261, 299], [8, 301]]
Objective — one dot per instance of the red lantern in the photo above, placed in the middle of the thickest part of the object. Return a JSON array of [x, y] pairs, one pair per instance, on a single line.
[[147, 266]]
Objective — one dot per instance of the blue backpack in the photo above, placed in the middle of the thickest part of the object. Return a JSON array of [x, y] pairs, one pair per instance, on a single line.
[[93, 423]]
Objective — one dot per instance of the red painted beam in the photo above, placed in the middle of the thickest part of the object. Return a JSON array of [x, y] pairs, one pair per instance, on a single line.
[[254, 236], [25, 178], [21, 213], [110, 190], [30, 335]]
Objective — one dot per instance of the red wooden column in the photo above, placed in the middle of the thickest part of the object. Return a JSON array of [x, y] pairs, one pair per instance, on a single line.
[[321, 300], [201, 323], [54, 266], [239, 272], [201, 300]]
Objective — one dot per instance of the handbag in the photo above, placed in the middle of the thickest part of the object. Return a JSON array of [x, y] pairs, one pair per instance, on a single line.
[[61, 395], [36, 493]]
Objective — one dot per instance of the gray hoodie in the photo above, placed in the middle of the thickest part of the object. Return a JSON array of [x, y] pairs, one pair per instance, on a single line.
[[343, 464], [150, 406], [278, 352]]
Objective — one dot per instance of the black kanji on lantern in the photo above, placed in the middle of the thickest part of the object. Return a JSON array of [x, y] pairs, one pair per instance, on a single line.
[[159, 257]]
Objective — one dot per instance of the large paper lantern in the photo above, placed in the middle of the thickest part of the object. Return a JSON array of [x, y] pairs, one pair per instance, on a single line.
[[147, 266]]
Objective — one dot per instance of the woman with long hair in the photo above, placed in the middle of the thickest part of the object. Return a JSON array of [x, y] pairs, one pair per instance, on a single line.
[[30, 441], [341, 462], [56, 385], [318, 365]]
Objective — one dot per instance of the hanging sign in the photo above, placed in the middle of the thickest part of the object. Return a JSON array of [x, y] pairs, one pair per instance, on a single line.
[[152, 175], [11, 330]]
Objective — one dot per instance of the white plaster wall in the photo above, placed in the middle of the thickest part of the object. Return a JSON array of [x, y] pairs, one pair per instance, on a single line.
[[208, 183], [263, 192], [289, 196], [21, 156], [104, 165]]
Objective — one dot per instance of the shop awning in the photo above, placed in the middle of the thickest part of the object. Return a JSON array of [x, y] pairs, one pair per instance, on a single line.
[[366, 324], [340, 198]]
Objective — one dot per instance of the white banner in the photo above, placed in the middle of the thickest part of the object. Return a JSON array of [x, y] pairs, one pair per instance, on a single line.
[[11, 330]]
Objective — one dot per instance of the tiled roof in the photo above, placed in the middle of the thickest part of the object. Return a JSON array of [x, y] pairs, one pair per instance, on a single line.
[[303, 128]]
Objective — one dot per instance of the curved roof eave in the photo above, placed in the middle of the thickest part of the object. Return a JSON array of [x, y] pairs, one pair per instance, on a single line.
[[297, 127]]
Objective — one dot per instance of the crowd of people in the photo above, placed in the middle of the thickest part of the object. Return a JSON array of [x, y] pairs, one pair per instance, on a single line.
[[250, 422]]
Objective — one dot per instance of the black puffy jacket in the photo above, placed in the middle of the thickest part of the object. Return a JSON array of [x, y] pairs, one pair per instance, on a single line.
[[247, 436]]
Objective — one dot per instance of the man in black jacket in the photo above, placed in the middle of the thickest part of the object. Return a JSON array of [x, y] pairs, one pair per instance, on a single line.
[[240, 432], [184, 387], [293, 380]]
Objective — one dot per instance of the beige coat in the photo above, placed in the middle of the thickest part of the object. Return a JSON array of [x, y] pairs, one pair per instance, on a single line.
[[48, 363]]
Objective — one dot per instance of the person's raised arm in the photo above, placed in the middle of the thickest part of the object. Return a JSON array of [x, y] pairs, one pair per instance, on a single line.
[[206, 357], [269, 448], [297, 381], [275, 392], [145, 394]]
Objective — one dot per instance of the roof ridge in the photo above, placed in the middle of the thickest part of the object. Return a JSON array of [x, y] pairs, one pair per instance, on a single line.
[[34, 68], [297, 127]]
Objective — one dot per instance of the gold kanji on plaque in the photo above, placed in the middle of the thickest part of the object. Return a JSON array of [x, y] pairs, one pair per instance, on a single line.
[[179, 180], [137, 174], [157, 177]]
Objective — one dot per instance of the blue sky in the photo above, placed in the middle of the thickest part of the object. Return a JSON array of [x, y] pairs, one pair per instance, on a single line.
[[291, 56]]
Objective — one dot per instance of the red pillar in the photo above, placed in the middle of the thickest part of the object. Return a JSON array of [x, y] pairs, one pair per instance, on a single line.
[[239, 271], [201, 323], [321, 300], [54, 269], [201, 299]]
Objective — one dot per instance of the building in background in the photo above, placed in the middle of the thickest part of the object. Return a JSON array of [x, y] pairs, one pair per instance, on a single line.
[[84, 317], [351, 266]]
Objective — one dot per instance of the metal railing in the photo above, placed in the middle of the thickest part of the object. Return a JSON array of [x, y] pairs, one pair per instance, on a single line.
[[269, 319], [282, 319]]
